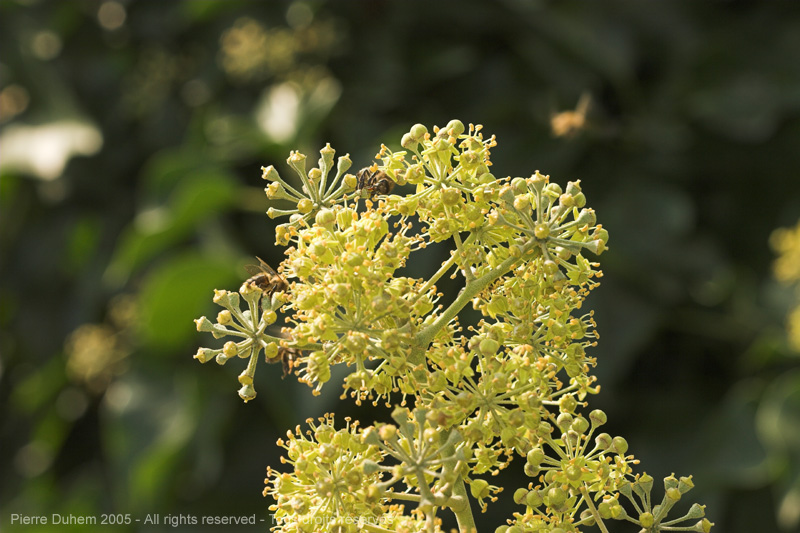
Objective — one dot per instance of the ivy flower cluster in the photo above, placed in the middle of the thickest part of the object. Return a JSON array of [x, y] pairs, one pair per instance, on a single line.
[[786, 243], [468, 398]]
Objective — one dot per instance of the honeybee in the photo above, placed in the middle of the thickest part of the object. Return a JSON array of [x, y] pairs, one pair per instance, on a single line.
[[287, 357], [374, 181], [568, 123], [265, 278]]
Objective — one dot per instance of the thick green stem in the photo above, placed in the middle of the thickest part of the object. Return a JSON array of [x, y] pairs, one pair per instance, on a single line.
[[595, 513], [470, 290], [447, 265], [466, 522]]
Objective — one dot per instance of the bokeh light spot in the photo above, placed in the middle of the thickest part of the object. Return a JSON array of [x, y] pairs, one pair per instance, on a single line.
[[111, 15], [45, 45]]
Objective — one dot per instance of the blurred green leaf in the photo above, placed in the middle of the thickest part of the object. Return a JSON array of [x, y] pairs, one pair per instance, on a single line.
[[195, 198], [176, 292], [731, 446]]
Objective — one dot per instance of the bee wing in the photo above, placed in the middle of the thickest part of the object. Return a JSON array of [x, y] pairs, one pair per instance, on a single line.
[[266, 268], [261, 268], [253, 269]]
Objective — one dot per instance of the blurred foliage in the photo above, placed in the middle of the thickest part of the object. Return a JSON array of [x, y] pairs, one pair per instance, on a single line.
[[132, 137]]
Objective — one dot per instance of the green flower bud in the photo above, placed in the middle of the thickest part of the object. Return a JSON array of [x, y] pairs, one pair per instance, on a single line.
[[568, 403], [203, 324], [620, 445], [573, 369], [566, 199], [534, 499], [269, 317], [224, 317], [350, 181], [563, 421], [409, 142], [598, 418], [522, 202], [387, 432], [573, 472], [703, 526], [479, 488], [318, 368], [343, 163], [645, 481], [247, 392], [488, 347], [400, 415], [418, 131], [370, 467], [451, 196], [302, 267], [646, 520], [327, 451], [345, 217], [282, 233], [670, 482], [325, 218], [246, 378], [374, 493], [673, 494], [520, 495], [454, 128], [327, 153], [542, 231], [471, 159], [305, 205], [315, 175], [685, 484], [531, 470], [580, 425], [269, 173], [539, 180], [586, 217], [230, 349], [695, 511], [596, 246], [553, 190], [519, 186], [270, 351], [556, 497], [205, 355], [603, 441], [275, 191], [508, 436], [298, 162]]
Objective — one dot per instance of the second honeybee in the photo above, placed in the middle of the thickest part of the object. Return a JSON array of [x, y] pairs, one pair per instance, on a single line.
[[374, 181], [265, 278]]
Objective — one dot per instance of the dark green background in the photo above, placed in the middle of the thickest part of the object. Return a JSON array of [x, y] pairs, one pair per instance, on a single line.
[[690, 156]]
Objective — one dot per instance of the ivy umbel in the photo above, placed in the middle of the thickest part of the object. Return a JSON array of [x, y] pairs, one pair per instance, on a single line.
[[468, 400]]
